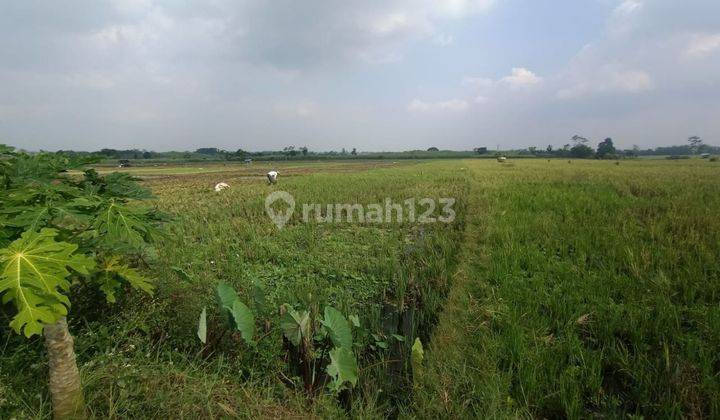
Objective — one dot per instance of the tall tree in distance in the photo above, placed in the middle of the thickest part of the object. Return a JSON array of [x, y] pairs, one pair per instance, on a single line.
[[606, 148], [580, 148], [695, 144]]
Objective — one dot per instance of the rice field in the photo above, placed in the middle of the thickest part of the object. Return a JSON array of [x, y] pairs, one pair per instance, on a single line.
[[562, 289]]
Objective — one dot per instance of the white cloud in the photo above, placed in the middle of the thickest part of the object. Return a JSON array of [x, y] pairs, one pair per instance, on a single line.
[[443, 40], [389, 24], [608, 79], [480, 99], [703, 45], [478, 82], [460, 8], [451, 105], [302, 109], [628, 7], [521, 78]]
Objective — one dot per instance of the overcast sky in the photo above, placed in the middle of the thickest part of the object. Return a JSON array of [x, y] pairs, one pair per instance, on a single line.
[[370, 74]]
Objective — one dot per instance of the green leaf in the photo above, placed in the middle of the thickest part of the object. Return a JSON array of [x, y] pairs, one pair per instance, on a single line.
[[295, 325], [226, 294], [244, 320], [258, 294], [202, 327], [338, 328], [121, 224], [34, 275], [355, 320], [182, 273], [112, 271], [342, 368], [416, 357]]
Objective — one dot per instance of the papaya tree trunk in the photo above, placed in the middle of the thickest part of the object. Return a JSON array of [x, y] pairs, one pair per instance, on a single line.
[[67, 396]]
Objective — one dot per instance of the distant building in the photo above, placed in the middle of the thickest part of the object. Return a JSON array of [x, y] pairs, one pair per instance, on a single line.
[[705, 155], [248, 161], [123, 163]]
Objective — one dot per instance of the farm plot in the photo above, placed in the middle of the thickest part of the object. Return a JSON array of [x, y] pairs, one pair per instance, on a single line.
[[388, 280], [560, 290], [584, 289]]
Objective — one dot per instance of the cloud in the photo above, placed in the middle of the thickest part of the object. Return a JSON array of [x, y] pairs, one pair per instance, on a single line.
[[320, 32], [451, 105], [480, 99], [443, 40], [460, 8], [703, 45], [608, 79], [518, 78], [478, 82], [521, 78]]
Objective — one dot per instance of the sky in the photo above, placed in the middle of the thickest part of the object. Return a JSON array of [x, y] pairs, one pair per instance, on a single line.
[[376, 75]]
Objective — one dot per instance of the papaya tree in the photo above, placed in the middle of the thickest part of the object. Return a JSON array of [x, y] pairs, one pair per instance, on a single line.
[[58, 230]]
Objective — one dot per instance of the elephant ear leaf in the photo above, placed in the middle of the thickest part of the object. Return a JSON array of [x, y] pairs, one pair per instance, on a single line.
[[244, 320], [338, 328], [202, 326], [226, 294], [295, 325], [342, 368], [34, 271]]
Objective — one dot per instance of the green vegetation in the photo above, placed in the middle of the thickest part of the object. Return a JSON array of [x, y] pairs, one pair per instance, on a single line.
[[58, 232], [561, 290], [585, 289]]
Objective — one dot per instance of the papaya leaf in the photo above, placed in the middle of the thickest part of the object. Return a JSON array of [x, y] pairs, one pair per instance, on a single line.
[[34, 276], [123, 185], [202, 327], [118, 223], [337, 327], [342, 368], [244, 320], [295, 325], [112, 271]]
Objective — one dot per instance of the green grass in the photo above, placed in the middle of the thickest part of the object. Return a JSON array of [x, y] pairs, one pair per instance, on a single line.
[[562, 290], [586, 288]]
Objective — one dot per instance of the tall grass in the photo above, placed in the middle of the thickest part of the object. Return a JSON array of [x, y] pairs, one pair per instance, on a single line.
[[587, 290]]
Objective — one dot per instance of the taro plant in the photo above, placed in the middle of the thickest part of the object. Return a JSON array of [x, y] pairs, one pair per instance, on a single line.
[[315, 341], [312, 341], [237, 315], [59, 230]]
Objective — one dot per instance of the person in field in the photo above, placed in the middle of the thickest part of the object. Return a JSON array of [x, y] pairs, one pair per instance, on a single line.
[[272, 177], [221, 186]]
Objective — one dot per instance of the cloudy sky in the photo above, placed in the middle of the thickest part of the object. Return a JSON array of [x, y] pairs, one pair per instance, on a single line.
[[371, 74]]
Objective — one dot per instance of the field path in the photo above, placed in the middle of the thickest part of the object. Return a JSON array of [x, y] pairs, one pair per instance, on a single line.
[[457, 366]]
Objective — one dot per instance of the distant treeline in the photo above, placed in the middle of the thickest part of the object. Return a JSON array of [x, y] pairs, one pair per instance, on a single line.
[[578, 148]]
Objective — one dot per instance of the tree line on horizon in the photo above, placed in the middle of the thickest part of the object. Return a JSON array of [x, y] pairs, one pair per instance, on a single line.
[[579, 147]]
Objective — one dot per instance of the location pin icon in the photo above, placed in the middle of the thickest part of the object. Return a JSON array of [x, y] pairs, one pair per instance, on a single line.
[[279, 218]]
